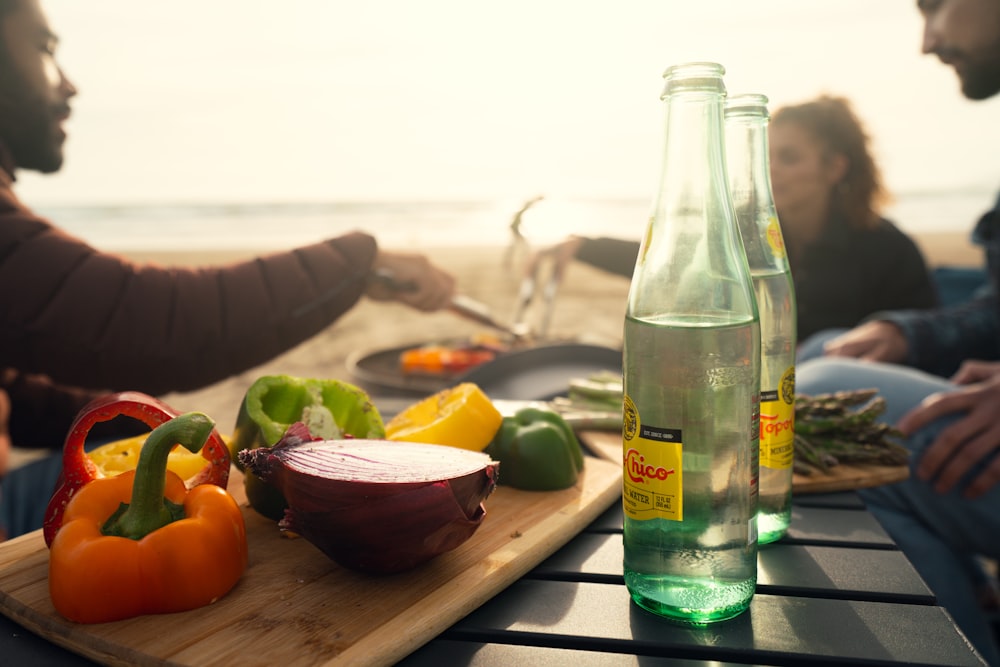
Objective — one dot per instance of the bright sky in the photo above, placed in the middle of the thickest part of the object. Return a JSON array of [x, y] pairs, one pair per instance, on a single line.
[[247, 100]]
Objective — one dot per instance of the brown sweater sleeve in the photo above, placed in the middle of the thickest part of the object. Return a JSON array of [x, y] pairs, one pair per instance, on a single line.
[[92, 320]]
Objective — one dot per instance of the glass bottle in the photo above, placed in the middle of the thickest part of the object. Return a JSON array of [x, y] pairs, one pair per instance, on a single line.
[[691, 361], [750, 184]]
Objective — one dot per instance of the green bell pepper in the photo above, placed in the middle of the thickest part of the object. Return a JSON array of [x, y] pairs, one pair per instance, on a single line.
[[330, 408], [537, 450]]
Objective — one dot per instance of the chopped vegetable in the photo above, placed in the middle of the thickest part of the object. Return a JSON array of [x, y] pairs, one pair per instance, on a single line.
[[844, 427], [593, 402], [331, 409], [78, 469], [122, 455], [599, 391], [537, 451], [375, 506], [141, 543], [442, 360], [461, 416]]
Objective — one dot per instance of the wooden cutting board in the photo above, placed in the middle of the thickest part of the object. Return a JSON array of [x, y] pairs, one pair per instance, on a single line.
[[294, 606], [843, 477]]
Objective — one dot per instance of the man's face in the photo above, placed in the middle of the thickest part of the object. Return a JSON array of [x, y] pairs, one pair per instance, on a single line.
[[34, 93], [966, 35]]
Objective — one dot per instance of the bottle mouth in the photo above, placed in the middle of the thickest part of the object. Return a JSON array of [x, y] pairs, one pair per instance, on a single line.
[[703, 76], [747, 104]]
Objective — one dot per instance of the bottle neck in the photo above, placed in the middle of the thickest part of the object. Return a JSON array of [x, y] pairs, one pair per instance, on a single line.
[[691, 266], [694, 167], [748, 163], [749, 170]]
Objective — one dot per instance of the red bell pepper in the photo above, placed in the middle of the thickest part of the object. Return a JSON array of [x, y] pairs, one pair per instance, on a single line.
[[78, 469]]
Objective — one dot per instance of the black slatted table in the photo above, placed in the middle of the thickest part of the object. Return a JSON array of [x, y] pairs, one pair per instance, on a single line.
[[835, 591]]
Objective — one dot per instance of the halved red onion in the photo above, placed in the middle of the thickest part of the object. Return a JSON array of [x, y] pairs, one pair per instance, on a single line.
[[375, 505]]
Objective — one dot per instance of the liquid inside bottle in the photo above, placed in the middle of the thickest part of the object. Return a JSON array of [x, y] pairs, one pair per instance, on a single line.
[[693, 380], [777, 404]]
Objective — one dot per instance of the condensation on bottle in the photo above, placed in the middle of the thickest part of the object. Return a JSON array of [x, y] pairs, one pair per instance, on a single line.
[[691, 372], [746, 119]]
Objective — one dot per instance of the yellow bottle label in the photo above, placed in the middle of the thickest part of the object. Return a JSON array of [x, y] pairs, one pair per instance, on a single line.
[[652, 481], [777, 423], [774, 238]]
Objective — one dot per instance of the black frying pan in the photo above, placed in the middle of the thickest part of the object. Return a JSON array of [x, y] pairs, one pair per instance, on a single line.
[[535, 373], [542, 373]]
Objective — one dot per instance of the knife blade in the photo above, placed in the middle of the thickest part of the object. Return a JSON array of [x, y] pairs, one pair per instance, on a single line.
[[477, 311]]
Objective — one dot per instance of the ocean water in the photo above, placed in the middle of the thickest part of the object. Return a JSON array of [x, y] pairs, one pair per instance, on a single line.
[[421, 224]]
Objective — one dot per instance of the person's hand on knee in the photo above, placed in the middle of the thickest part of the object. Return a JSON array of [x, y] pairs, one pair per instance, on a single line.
[[970, 442], [872, 341]]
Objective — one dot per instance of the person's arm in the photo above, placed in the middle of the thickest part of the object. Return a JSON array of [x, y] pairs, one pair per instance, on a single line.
[[615, 256], [939, 340], [936, 341], [94, 320]]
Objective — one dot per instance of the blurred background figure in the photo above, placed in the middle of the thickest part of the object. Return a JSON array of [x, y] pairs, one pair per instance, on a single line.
[[847, 260]]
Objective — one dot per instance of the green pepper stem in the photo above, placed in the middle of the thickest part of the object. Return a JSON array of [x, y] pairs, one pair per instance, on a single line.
[[148, 509]]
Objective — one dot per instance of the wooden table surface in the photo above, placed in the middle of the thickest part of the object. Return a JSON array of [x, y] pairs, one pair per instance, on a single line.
[[836, 590]]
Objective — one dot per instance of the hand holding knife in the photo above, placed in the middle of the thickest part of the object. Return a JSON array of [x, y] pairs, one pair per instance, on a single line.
[[460, 304]]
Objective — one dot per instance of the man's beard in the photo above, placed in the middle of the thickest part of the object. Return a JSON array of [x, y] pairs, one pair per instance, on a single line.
[[980, 83], [979, 74], [28, 129]]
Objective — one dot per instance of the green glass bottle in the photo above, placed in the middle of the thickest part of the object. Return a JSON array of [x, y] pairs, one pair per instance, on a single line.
[[750, 184], [691, 361]]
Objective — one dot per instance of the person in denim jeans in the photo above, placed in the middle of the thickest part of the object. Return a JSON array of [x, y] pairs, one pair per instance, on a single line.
[[938, 371]]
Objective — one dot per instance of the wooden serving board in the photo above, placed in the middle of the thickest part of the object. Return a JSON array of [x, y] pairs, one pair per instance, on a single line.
[[294, 606], [843, 477]]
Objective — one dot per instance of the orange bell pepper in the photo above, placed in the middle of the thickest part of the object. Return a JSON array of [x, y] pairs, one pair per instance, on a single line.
[[142, 543], [78, 469]]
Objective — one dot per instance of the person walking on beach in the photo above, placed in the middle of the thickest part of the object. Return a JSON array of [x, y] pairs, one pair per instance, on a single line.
[[947, 514], [76, 322]]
